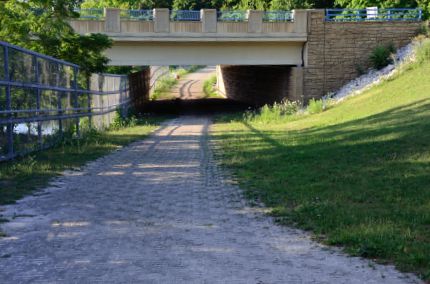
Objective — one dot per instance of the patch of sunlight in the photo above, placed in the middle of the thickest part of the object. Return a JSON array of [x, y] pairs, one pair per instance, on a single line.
[[70, 224], [374, 138], [118, 262], [11, 238], [64, 235], [116, 222], [292, 248], [68, 235], [211, 249], [253, 210], [122, 166], [73, 173], [161, 166], [82, 261], [111, 173]]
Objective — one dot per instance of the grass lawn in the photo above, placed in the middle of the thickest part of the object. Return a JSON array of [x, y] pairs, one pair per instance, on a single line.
[[357, 175], [23, 176]]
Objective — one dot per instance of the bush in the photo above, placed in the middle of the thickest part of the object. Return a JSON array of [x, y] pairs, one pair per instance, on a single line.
[[121, 120], [315, 106], [381, 56]]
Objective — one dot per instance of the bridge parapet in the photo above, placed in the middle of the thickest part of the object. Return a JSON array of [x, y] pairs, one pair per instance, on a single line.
[[206, 23]]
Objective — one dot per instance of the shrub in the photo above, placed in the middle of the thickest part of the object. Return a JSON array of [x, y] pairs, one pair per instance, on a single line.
[[381, 56], [315, 106], [123, 120]]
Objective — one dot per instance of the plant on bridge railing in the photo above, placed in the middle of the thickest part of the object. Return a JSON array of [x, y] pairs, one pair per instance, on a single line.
[[381, 56]]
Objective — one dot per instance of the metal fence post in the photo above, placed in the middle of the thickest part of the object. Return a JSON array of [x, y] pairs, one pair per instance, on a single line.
[[75, 97], [59, 105], [9, 127], [89, 97], [39, 124]]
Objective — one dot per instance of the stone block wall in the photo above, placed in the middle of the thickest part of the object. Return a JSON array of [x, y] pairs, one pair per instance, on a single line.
[[337, 50]]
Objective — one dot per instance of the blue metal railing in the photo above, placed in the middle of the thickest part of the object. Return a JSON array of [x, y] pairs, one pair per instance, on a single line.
[[373, 14], [90, 13], [41, 98], [277, 16], [232, 16], [137, 15], [190, 15], [185, 15]]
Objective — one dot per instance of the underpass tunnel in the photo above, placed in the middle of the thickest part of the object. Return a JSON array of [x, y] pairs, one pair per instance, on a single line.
[[239, 87]]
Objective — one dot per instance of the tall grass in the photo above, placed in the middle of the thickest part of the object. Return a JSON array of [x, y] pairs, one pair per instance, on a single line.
[[209, 88], [422, 51], [270, 113], [285, 111]]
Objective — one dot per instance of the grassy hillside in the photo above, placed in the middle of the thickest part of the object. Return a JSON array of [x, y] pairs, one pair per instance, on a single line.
[[357, 175]]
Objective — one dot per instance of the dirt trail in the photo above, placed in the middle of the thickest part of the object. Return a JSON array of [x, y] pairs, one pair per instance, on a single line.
[[191, 85]]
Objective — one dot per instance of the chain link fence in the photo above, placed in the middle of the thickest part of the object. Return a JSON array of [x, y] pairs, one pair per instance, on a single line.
[[43, 98]]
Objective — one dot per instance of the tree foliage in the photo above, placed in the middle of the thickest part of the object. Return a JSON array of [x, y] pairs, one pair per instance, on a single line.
[[257, 4], [41, 25]]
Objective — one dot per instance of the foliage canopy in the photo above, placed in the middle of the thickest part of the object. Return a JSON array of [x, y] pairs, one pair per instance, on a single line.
[[41, 25]]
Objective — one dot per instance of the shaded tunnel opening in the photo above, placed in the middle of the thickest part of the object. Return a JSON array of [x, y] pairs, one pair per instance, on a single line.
[[240, 87]]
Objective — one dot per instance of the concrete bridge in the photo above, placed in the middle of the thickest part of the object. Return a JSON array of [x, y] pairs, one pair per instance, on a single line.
[[300, 57], [208, 41]]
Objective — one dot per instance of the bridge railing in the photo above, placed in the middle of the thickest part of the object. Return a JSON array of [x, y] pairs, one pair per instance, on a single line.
[[43, 98], [277, 16], [188, 15], [137, 15], [373, 14], [184, 15], [232, 16], [90, 13]]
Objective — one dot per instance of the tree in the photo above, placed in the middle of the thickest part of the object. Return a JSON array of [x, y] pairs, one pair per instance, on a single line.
[[357, 4], [127, 4], [377, 3], [41, 25], [196, 4]]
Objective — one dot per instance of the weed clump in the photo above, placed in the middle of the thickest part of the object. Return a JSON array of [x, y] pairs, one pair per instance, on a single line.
[[315, 106], [381, 56], [276, 112], [422, 51]]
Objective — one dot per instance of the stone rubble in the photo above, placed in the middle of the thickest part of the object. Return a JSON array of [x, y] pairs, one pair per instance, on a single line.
[[374, 77]]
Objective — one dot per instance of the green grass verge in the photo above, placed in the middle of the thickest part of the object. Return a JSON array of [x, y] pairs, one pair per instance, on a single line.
[[209, 89], [22, 176], [357, 174]]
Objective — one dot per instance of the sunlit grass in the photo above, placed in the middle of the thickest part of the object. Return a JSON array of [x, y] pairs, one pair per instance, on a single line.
[[357, 174]]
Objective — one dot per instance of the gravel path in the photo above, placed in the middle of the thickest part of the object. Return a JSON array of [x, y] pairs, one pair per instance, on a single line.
[[160, 211], [191, 85]]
